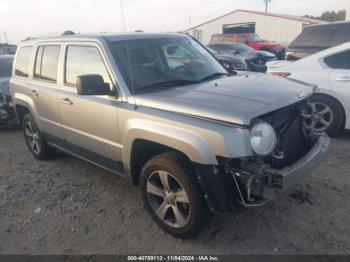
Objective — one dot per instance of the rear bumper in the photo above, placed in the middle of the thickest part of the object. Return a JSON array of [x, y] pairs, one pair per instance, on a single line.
[[291, 175]]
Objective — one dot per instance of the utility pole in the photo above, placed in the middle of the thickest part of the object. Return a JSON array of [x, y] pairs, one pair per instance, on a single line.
[[267, 5], [5, 38]]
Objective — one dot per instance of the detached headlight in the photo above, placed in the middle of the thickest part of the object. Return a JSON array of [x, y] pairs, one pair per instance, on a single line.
[[263, 138]]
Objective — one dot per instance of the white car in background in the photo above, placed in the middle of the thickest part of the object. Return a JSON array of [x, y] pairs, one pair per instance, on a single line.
[[330, 71]]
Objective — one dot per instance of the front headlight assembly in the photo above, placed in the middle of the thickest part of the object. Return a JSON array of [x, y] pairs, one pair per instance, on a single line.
[[263, 138]]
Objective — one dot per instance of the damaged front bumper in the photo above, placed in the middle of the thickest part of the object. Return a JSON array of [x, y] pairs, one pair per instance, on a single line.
[[290, 176], [257, 188], [250, 183]]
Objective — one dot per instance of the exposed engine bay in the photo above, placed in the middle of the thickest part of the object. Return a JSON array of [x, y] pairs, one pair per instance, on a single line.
[[258, 177]]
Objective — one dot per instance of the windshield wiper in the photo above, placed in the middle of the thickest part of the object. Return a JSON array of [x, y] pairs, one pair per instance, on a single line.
[[213, 76], [160, 85]]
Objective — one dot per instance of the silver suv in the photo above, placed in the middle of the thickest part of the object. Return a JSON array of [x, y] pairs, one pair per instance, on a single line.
[[159, 110]]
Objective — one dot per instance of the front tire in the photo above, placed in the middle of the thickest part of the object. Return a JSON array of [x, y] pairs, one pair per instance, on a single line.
[[173, 196], [35, 140]]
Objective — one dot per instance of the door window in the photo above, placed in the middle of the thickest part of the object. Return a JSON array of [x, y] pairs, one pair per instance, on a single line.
[[339, 61], [241, 39], [22, 61], [84, 60], [46, 62]]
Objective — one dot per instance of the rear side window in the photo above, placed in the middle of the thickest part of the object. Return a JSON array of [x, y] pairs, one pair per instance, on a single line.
[[339, 61], [84, 60], [46, 62], [23, 60]]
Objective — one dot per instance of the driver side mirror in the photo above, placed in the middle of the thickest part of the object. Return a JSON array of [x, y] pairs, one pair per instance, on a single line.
[[92, 85]]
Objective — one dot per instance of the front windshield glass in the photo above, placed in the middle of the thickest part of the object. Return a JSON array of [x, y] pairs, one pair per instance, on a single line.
[[163, 62], [255, 38]]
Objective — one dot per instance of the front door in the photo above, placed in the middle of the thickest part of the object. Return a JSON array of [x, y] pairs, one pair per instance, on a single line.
[[90, 123]]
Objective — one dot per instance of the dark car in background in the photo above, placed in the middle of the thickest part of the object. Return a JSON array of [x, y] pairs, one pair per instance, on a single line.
[[316, 38], [230, 62], [255, 60]]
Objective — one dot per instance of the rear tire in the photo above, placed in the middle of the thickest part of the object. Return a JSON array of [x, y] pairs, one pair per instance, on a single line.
[[172, 195], [35, 140], [324, 115]]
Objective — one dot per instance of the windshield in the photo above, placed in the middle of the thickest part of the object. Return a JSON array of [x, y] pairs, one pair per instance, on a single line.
[[163, 62], [255, 38]]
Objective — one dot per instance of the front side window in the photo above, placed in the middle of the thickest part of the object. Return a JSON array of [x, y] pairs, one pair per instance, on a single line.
[[84, 60], [241, 39], [23, 60], [46, 62], [339, 61], [163, 62]]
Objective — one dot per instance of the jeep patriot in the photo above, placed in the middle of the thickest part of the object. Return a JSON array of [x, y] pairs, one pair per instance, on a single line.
[[160, 110]]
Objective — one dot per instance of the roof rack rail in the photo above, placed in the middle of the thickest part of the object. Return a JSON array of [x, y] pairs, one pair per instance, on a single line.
[[67, 32]]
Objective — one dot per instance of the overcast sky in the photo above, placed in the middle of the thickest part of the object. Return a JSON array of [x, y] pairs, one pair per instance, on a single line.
[[23, 18]]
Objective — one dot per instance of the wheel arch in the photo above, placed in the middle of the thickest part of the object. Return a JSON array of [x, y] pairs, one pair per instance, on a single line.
[[142, 151], [21, 111]]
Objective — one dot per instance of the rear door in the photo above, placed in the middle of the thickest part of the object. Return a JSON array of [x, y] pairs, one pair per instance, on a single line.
[[339, 77], [90, 122], [43, 89]]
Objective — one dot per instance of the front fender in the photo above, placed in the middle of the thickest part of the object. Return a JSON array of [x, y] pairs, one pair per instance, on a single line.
[[185, 141]]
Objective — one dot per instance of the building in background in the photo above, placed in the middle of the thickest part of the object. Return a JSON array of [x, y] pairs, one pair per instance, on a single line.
[[274, 27], [348, 12]]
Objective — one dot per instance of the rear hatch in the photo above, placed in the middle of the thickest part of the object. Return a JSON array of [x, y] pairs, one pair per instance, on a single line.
[[316, 38]]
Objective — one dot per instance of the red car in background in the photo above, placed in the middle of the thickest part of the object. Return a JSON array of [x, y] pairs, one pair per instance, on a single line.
[[252, 40]]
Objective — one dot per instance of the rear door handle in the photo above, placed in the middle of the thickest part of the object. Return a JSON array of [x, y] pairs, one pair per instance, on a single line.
[[66, 101], [33, 92], [343, 79]]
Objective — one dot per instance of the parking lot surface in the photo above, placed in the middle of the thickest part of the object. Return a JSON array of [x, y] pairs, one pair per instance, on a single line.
[[68, 206]]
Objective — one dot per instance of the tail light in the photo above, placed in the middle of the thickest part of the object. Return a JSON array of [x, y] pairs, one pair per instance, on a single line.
[[281, 74]]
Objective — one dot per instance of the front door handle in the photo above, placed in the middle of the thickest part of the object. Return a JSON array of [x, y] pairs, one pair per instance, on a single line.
[[66, 101], [343, 79], [33, 92]]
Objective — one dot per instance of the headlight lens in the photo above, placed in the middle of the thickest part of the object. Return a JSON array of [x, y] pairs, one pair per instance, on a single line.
[[263, 138]]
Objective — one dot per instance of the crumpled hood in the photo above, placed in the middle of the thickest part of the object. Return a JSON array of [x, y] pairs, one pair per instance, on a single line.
[[236, 99]]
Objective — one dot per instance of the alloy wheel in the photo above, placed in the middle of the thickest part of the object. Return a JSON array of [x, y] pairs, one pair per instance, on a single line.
[[32, 137], [318, 117], [168, 199]]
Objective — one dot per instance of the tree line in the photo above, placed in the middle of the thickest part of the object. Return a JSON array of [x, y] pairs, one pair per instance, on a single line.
[[330, 16]]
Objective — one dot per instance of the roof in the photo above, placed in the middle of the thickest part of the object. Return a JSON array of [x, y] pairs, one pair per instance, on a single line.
[[288, 17], [99, 36], [332, 24]]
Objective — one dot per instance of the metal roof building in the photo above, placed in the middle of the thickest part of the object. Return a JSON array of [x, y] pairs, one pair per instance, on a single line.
[[270, 26]]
